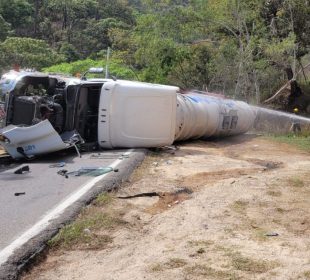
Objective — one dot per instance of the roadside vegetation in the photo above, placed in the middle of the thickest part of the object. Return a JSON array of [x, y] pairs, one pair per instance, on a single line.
[[92, 229], [301, 141], [244, 49]]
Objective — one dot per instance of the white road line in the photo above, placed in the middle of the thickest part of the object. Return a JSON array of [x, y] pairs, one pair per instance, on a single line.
[[55, 213]]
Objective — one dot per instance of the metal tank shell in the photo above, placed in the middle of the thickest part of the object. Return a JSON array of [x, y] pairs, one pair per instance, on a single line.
[[203, 116]]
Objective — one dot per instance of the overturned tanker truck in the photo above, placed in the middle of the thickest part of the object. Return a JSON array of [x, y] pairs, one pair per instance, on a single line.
[[46, 113]]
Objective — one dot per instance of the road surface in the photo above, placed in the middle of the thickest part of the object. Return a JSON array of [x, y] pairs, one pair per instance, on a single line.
[[45, 194]]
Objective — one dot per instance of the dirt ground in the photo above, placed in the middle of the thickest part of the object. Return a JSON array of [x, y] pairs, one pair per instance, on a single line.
[[238, 208]]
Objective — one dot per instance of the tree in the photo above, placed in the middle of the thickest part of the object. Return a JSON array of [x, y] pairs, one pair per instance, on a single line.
[[17, 13], [4, 28], [27, 53]]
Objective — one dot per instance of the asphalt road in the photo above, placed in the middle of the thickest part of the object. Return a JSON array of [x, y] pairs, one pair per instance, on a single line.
[[46, 192]]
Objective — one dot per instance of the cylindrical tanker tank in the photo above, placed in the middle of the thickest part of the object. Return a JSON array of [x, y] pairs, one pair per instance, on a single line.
[[202, 116], [146, 115]]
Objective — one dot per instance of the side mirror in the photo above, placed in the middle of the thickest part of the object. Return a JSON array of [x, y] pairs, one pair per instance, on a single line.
[[92, 70]]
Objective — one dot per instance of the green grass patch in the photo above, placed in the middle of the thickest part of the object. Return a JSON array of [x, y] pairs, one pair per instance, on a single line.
[[83, 233], [301, 141], [103, 200]]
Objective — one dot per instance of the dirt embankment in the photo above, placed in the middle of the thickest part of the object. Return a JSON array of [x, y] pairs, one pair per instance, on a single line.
[[232, 209]]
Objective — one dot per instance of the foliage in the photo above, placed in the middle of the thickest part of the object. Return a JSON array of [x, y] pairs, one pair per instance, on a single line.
[[4, 29], [16, 12], [81, 66], [27, 53], [243, 48], [300, 141]]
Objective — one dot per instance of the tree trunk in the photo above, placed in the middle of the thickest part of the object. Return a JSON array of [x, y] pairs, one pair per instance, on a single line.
[[296, 91], [36, 17]]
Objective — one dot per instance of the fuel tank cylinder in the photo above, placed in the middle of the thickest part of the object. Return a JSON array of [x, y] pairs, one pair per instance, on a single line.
[[203, 116]]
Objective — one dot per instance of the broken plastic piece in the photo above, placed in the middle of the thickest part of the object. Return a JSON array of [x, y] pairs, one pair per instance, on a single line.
[[59, 164], [22, 170]]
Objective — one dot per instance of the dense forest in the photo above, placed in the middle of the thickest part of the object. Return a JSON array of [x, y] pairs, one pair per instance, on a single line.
[[246, 49]]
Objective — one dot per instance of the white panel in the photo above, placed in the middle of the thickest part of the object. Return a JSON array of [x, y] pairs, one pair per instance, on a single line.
[[37, 139], [138, 115]]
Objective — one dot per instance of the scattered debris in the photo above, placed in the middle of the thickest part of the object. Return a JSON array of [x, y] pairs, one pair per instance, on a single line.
[[22, 170], [19, 193], [148, 194], [168, 149], [87, 231], [58, 165], [270, 234], [87, 171], [62, 172], [168, 200]]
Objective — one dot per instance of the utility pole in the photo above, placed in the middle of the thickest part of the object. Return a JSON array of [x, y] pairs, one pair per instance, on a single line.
[[107, 64]]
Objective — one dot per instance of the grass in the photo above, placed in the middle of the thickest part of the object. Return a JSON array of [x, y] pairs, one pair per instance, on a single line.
[[259, 234], [211, 273], [170, 264], [274, 193], [200, 243], [82, 233], [145, 168], [296, 182], [280, 210], [87, 231], [201, 251], [300, 141], [246, 264], [307, 274], [240, 206], [103, 200], [158, 267], [175, 263]]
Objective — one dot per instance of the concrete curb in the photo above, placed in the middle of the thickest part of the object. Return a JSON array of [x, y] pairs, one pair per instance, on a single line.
[[31, 251]]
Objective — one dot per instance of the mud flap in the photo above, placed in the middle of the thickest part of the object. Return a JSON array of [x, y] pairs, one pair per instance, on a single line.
[[29, 141]]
